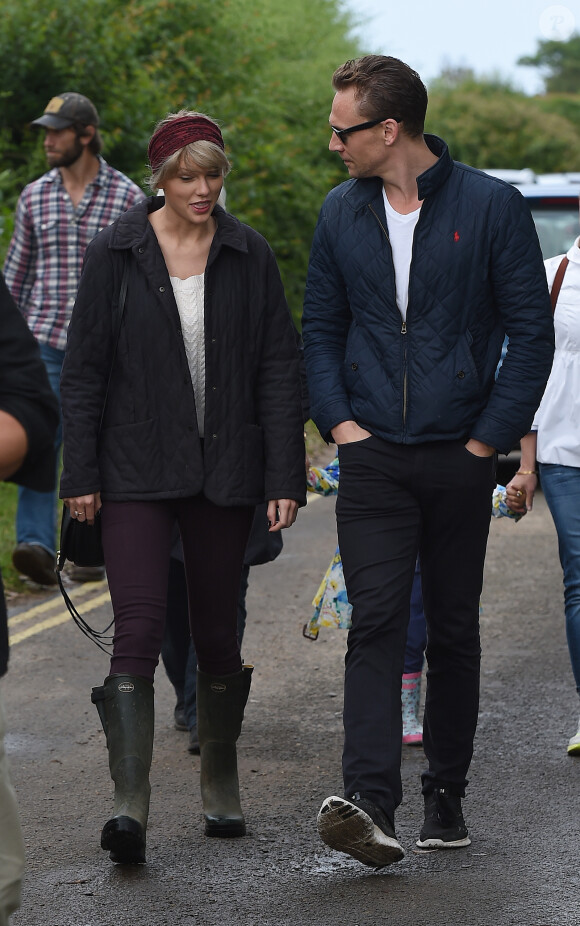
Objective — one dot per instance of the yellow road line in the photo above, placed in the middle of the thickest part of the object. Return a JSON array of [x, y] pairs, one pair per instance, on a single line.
[[45, 606], [83, 608]]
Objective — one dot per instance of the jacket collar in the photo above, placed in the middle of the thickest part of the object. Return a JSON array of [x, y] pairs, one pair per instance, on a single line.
[[360, 193], [132, 226]]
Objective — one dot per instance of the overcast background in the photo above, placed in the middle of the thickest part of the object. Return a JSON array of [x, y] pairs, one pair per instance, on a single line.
[[488, 37]]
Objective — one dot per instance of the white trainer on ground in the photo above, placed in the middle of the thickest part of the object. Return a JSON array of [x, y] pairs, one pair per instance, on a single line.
[[574, 743]]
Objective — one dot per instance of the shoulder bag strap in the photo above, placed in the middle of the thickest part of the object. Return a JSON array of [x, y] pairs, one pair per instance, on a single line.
[[557, 284], [101, 637]]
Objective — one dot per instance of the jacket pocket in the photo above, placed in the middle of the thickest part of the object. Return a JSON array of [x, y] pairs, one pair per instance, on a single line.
[[464, 363], [365, 377], [130, 458]]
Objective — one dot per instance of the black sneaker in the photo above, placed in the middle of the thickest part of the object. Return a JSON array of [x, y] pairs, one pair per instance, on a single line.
[[444, 826], [85, 573], [179, 717], [359, 828], [33, 561]]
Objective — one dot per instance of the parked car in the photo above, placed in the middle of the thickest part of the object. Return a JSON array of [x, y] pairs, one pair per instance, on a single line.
[[553, 199], [555, 211], [554, 203], [516, 177]]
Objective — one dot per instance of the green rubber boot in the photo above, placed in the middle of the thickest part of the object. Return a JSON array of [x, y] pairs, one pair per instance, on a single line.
[[221, 700], [125, 706]]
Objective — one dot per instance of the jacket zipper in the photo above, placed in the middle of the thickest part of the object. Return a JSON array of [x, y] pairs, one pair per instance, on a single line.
[[404, 332], [403, 326]]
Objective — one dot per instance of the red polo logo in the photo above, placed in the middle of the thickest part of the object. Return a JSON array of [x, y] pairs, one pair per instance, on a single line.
[[456, 236]]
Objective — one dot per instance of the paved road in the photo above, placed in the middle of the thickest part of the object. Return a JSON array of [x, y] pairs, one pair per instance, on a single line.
[[522, 809]]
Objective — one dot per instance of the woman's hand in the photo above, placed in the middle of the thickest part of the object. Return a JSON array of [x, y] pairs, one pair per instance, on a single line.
[[520, 491], [281, 513], [84, 507], [525, 480]]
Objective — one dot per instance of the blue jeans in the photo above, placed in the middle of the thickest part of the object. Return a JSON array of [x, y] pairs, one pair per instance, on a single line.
[[561, 486], [36, 513], [417, 629]]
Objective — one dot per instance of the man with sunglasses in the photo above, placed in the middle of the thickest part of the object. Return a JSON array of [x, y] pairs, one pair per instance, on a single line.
[[419, 267]]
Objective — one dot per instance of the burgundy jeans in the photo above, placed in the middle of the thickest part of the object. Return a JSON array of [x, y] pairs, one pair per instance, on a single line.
[[137, 540]]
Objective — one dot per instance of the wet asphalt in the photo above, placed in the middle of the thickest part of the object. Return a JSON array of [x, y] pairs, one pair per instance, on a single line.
[[522, 808]]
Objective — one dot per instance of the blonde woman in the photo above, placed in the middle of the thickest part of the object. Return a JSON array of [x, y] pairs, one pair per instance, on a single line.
[[203, 421]]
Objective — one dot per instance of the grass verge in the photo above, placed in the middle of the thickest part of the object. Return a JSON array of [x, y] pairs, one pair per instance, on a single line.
[[8, 499]]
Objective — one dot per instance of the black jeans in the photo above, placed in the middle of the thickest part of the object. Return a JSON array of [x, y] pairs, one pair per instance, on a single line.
[[394, 501]]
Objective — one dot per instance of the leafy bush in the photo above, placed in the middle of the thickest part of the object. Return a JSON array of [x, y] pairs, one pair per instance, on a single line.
[[489, 125], [262, 68]]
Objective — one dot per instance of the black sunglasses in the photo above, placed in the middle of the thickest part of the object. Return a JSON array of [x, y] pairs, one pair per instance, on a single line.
[[342, 134]]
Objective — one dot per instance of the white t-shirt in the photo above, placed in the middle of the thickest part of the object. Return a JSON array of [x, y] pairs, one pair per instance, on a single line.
[[189, 296], [557, 419], [401, 230]]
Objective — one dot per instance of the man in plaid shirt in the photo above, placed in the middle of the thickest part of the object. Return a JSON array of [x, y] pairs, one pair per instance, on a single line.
[[56, 218]]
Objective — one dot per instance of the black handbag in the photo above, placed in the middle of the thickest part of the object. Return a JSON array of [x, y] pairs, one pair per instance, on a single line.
[[80, 542]]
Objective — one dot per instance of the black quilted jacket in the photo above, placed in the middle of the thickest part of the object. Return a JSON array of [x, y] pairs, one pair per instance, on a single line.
[[476, 274], [25, 394], [149, 447]]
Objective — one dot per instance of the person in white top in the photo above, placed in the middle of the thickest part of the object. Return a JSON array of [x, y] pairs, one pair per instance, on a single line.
[[552, 448]]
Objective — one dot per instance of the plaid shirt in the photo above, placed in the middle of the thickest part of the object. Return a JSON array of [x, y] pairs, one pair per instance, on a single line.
[[43, 264]]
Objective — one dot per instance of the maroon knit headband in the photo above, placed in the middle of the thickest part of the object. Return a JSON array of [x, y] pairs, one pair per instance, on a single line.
[[176, 134]]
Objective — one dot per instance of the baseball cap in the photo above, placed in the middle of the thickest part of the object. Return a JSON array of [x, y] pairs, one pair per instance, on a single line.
[[65, 109]]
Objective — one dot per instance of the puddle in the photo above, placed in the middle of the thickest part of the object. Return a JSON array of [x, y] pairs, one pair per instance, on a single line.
[[25, 743], [329, 865]]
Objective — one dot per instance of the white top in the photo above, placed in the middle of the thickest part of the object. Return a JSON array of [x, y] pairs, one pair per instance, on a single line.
[[401, 231], [557, 419], [189, 296]]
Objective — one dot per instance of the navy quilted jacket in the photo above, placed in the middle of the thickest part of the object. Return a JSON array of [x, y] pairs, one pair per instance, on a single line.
[[476, 274], [149, 446]]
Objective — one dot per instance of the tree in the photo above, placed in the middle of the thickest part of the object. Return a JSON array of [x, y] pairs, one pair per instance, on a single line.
[[489, 125], [261, 67], [561, 63]]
